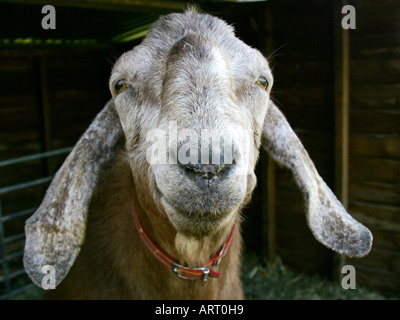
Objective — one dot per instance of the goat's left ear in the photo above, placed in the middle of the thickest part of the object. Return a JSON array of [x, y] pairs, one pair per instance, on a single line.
[[56, 232], [326, 217]]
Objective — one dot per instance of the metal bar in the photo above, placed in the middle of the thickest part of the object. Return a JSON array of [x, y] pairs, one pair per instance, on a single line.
[[24, 185], [17, 291], [12, 256], [15, 237], [15, 274], [17, 214], [35, 156]]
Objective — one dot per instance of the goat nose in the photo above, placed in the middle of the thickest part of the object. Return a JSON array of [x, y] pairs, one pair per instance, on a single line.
[[205, 171]]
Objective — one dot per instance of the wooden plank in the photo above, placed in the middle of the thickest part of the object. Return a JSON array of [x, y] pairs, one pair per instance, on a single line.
[[379, 215], [86, 78], [87, 62], [316, 140], [15, 63], [25, 119], [372, 71], [62, 98], [373, 5], [386, 239], [378, 21], [296, 88], [384, 281], [302, 251], [54, 52], [18, 130], [13, 81], [375, 170], [375, 96], [313, 25], [126, 5], [375, 121], [287, 187], [309, 72], [308, 117], [381, 259], [292, 220], [285, 181], [375, 90], [371, 46], [376, 192], [289, 201], [295, 95], [295, 7], [11, 104]]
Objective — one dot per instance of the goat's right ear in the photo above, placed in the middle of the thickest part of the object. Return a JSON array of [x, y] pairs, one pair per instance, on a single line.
[[327, 218], [56, 231]]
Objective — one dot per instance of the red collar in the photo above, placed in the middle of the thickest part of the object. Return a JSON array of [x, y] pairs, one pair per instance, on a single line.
[[197, 273]]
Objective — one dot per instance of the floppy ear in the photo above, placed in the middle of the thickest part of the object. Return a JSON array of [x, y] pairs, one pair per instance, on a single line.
[[326, 217], [56, 231]]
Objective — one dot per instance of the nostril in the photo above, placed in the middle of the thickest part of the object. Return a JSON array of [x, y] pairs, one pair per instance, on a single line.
[[205, 171], [208, 175]]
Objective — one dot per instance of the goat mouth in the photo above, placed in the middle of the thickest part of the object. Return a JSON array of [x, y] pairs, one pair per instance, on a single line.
[[195, 214], [206, 203], [197, 224]]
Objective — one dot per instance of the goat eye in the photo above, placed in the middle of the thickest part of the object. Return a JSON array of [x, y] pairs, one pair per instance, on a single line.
[[263, 83], [120, 86]]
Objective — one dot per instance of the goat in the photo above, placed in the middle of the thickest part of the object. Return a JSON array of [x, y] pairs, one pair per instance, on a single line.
[[117, 225]]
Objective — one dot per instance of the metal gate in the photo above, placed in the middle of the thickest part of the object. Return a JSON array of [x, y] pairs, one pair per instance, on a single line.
[[13, 279]]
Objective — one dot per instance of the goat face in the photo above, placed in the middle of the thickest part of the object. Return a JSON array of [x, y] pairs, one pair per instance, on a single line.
[[201, 101]]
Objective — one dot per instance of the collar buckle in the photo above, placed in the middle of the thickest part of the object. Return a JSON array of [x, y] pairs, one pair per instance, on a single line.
[[180, 272]]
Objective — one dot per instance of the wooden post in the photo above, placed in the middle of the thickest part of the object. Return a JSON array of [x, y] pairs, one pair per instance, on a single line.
[[342, 106], [268, 167], [271, 188], [271, 182], [45, 104], [43, 101]]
